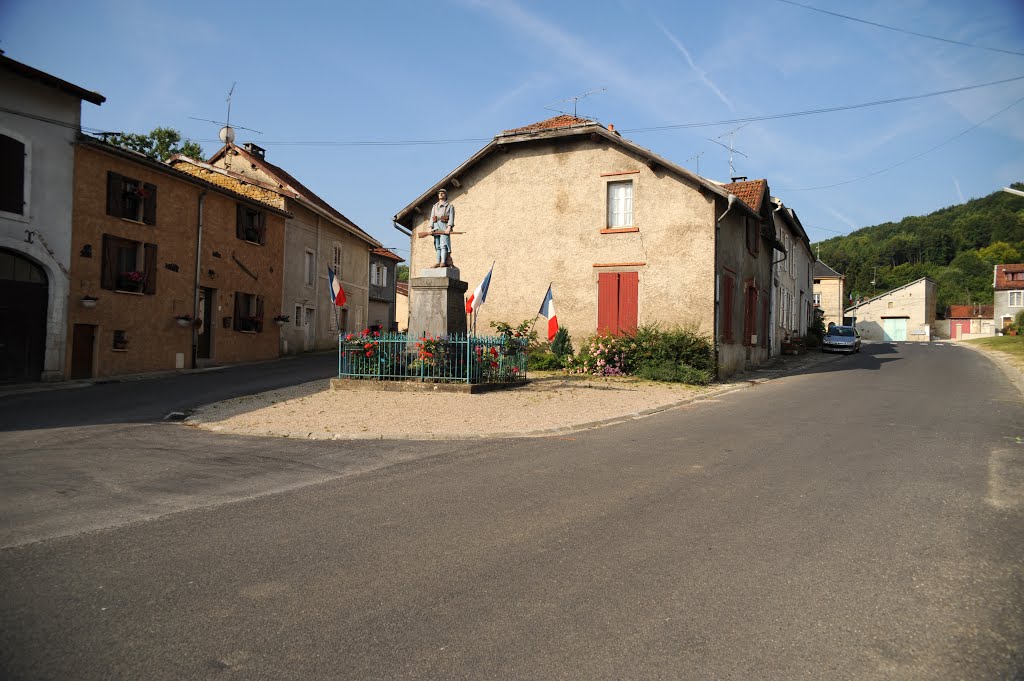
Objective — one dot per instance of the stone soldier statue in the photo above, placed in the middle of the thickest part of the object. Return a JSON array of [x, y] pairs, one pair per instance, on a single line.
[[442, 222]]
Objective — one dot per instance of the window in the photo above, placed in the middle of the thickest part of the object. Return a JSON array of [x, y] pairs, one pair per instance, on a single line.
[[753, 236], [310, 267], [336, 257], [617, 302], [817, 298], [128, 265], [1016, 299], [750, 316], [620, 204], [378, 275], [250, 224], [248, 312], [298, 315], [131, 199], [12, 171]]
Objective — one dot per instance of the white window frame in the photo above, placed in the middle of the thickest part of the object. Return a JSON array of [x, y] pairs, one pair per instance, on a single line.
[[816, 298], [1015, 298], [620, 195], [310, 261]]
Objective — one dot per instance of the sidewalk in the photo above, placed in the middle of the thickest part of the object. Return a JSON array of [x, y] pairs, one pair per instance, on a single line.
[[550, 404]]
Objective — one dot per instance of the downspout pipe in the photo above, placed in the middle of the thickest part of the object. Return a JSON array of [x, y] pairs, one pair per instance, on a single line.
[[773, 323], [195, 286], [718, 276]]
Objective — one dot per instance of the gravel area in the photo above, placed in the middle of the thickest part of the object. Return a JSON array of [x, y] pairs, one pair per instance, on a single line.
[[313, 410]]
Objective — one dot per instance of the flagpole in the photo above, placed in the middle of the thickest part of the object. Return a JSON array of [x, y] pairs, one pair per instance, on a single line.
[[550, 284]]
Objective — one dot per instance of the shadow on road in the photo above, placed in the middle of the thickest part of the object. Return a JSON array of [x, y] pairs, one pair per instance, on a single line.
[[870, 358]]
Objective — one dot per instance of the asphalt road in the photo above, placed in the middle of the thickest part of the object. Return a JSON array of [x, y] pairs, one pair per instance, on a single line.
[[859, 521]]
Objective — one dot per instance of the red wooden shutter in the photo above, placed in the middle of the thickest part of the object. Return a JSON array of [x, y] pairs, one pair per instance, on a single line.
[[765, 326], [115, 193], [149, 269], [149, 204], [608, 302], [628, 297], [728, 284], [749, 315]]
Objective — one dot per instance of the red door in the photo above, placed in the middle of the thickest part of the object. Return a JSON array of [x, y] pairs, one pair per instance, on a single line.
[[617, 302]]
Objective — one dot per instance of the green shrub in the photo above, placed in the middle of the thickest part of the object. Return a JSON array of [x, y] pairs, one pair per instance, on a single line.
[[1018, 322], [674, 373], [561, 345], [542, 360], [652, 349]]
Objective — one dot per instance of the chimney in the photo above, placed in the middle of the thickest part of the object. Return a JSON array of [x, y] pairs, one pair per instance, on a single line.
[[611, 127], [255, 150], [741, 178]]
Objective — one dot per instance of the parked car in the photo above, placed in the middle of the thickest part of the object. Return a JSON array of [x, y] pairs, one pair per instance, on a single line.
[[841, 339]]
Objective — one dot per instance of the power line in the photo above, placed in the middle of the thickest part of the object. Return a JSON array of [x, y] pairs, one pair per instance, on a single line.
[[912, 158], [903, 30], [832, 109]]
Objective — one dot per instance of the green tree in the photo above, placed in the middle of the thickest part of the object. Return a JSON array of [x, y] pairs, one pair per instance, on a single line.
[[999, 253], [159, 143], [402, 273]]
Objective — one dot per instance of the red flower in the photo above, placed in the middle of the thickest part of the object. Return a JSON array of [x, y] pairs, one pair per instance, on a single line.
[[366, 332], [376, 334], [494, 352], [369, 354], [494, 365]]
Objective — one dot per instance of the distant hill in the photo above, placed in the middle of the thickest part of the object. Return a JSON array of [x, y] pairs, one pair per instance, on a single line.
[[955, 246]]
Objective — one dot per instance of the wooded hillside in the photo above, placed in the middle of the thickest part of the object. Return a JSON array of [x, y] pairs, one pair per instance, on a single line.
[[955, 246]]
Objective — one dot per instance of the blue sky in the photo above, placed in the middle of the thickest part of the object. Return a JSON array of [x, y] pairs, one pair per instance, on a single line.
[[315, 77]]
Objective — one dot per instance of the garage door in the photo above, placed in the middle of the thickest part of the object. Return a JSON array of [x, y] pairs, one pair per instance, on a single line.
[[895, 329]]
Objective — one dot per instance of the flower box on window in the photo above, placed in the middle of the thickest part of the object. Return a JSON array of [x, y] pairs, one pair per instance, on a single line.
[[130, 281]]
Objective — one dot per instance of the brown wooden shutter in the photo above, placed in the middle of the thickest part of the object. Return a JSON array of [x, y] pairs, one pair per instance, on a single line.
[[728, 284], [608, 302], [749, 314], [108, 266], [149, 204], [629, 285], [237, 322], [149, 274], [115, 194], [240, 221], [259, 313], [261, 221], [765, 313]]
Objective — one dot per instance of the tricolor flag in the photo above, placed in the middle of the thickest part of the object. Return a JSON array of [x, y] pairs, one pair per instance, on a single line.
[[547, 309], [480, 294], [337, 292]]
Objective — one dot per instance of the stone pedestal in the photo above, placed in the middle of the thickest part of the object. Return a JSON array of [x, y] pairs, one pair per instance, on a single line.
[[437, 302]]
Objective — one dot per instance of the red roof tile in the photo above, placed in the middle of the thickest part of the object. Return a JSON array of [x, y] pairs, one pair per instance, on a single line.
[[1009, 277], [402, 287], [750, 192], [385, 253], [563, 121], [971, 312]]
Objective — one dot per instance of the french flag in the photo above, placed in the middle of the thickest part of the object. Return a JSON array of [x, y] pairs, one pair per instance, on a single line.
[[480, 294], [337, 292], [547, 309]]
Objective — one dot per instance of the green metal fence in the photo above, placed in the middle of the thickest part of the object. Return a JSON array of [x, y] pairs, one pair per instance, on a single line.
[[458, 358]]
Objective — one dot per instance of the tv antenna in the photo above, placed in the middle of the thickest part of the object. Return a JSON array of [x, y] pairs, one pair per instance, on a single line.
[[697, 157], [227, 132], [731, 146], [574, 99]]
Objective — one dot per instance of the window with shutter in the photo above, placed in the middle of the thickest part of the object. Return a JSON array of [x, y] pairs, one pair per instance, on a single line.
[[128, 266], [726, 321], [12, 175], [617, 302], [131, 199]]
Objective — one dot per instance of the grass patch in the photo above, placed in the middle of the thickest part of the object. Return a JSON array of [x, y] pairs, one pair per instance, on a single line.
[[1011, 345]]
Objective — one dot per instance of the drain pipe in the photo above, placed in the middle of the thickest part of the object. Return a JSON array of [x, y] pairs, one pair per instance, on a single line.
[[772, 332], [195, 287], [718, 275]]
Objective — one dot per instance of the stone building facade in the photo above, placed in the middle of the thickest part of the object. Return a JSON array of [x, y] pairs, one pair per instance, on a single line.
[[793, 277], [829, 293], [906, 313]]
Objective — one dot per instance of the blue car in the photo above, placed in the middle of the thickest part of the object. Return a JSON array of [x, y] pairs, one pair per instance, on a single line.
[[841, 339]]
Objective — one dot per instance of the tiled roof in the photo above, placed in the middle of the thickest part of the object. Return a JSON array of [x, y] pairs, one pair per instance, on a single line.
[[750, 192], [402, 287], [563, 121], [1003, 274], [385, 253], [302, 190], [822, 270], [971, 312]]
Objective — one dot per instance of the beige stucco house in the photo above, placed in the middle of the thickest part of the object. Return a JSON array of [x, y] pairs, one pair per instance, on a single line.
[[624, 237], [792, 277], [829, 293], [38, 128], [906, 313], [316, 237]]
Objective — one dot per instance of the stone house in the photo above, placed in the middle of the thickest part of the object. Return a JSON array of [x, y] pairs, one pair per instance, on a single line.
[[792, 277], [38, 128], [968, 321], [383, 293], [829, 293], [402, 305], [906, 313], [316, 237], [624, 236], [151, 243], [1008, 299]]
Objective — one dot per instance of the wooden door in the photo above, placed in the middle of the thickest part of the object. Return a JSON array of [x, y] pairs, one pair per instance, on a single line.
[[617, 302], [83, 348]]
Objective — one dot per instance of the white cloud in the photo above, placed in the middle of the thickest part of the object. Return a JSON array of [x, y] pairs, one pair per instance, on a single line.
[[701, 73]]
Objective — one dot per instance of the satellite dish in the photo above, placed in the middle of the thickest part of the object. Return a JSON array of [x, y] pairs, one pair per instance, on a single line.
[[227, 135]]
